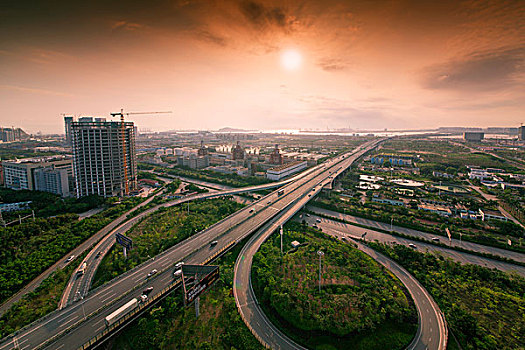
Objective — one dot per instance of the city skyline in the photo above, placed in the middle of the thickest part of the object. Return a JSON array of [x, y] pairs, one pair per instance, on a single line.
[[265, 65]]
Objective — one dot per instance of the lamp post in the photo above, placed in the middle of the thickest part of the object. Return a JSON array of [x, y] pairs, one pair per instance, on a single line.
[[82, 303], [320, 253]]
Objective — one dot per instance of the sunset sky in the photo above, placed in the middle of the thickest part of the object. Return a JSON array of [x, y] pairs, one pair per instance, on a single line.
[[264, 64]]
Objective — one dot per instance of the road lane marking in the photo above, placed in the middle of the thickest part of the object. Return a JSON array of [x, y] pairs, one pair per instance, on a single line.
[[65, 323]]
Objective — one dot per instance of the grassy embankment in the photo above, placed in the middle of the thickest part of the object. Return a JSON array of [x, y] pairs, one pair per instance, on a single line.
[[485, 309], [361, 304]]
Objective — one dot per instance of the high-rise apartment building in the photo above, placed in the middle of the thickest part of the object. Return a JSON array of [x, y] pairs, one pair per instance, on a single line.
[[521, 133], [104, 160], [51, 179], [67, 124]]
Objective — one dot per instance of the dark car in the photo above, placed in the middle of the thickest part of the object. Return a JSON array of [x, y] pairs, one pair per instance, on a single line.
[[147, 290]]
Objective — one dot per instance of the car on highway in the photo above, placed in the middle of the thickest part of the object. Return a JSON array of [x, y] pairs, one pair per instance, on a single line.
[[252, 210], [213, 243], [177, 273], [147, 291], [98, 255], [309, 195], [435, 239], [269, 202], [154, 271], [412, 245], [179, 264], [143, 298], [318, 220], [308, 215], [70, 258]]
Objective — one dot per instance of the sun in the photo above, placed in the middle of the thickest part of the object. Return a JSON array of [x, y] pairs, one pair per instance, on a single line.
[[291, 59]]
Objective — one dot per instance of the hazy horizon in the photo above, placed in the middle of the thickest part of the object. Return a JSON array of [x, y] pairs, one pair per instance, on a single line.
[[265, 65]]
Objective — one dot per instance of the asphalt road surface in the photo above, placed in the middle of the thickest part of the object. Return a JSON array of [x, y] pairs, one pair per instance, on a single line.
[[340, 230], [420, 234], [85, 319]]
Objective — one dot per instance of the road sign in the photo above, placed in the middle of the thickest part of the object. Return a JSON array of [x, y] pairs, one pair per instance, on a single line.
[[202, 277], [124, 241]]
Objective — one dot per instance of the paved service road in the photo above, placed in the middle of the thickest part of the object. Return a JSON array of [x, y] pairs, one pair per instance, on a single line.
[[347, 230], [76, 324], [432, 332], [420, 234]]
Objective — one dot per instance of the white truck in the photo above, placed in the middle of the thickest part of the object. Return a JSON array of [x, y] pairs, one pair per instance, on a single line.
[[121, 311]]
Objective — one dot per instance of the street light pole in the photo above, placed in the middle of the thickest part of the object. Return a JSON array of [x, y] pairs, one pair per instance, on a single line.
[[281, 239], [82, 304], [320, 253]]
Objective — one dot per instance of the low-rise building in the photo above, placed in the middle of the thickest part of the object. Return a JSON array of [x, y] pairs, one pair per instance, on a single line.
[[193, 161], [20, 174], [285, 170], [487, 214], [436, 209], [390, 201], [473, 136], [14, 206]]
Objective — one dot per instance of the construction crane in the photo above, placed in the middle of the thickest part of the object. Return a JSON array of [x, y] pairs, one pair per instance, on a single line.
[[123, 136]]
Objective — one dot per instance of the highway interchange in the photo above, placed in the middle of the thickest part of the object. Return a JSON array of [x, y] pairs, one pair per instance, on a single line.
[[431, 334], [79, 286], [85, 318]]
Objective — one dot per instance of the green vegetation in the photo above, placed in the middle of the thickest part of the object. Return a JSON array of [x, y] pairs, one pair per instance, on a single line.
[[232, 180], [173, 186], [441, 155], [361, 304], [28, 249], [40, 302], [171, 326], [162, 230], [484, 308], [147, 175], [48, 204]]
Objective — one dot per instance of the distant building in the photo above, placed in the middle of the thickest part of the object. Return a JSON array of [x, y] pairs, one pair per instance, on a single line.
[[51, 179], [487, 214], [20, 174], [203, 151], [440, 174], [103, 157], [276, 157], [12, 134], [67, 125], [389, 201], [237, 152], [194, 161], [473, 136], [14, 206], [285, 170], [436, 209], [521, 133], [396, 160]]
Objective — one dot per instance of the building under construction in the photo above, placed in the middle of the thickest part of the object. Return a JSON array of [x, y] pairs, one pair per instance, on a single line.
[[104, 161]]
